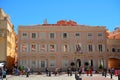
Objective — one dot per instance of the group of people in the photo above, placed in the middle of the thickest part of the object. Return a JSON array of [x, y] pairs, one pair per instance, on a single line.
[[20, 71], [80, 70], [56, 71]]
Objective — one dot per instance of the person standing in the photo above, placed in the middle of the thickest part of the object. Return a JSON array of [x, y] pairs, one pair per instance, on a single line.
[[91, 69], [28, 72], [80, 71], [56, 71], [46, 70], [68, 71], [83, 70]]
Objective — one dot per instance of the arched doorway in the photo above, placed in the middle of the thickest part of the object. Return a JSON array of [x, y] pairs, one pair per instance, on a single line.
[[113, 63], [78, 63]]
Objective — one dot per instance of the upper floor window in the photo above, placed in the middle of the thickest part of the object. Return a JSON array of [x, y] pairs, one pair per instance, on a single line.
[[78, 47], [24, 47], [77, 35], [65, 48], [24, 35], [118, 50], [90, 48], [33, 47], [100, 34], [65, 35], [52, 35], [52, 48], [100, 47], [90, 35], [113, 50], [33, 35]]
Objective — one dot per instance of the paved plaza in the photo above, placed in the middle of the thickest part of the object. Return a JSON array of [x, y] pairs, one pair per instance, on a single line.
[[59, 77]]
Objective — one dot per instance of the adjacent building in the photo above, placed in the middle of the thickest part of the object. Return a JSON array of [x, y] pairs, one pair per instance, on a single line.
[[113, 48], [8, 52], [61, 45]]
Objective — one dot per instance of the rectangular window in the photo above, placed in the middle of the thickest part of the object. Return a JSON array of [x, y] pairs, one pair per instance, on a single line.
[[90, 48], [52, 63], [33, 47], [42, 64], [65, 35], [52, 48], [99, 34], [77, 35], [100, 48], [24, 47], [52, 35], [89, 34], [65, 48], [78, 47], [33, 35], [118, 50], [24, 35], [65, 63]]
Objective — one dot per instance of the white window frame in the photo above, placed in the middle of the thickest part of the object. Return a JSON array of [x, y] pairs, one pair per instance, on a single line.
[[103, 48], [23, 37], [89, 35], [31, 35], [53, 34], [52, 63], [31, 47], [22, 47], [77, 36], [67, 35], [63, 49], [100, 37], [49, 48]]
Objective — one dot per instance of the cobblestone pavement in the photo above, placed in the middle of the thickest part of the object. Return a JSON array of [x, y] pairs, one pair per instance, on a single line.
[[59, 77]]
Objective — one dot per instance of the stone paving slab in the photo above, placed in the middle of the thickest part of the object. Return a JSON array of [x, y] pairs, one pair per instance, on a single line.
[[59, 77]]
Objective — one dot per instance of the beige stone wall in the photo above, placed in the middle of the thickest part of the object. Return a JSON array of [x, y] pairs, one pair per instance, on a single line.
[[7, 41], [25, 58]]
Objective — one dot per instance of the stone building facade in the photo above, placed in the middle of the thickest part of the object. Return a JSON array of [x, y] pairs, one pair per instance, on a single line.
[[8, 51], [60, 44]]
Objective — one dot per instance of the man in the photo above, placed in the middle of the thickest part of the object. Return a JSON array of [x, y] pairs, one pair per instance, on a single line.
[[28, 72]]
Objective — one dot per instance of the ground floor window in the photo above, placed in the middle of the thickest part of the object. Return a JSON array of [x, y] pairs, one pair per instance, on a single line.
[[65, 63]]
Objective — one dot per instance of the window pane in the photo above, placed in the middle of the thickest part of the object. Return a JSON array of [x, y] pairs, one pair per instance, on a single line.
[[64, 35], [33, 35]]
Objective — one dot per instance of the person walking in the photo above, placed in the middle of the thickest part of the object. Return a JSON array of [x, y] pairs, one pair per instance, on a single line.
[[28, 72]]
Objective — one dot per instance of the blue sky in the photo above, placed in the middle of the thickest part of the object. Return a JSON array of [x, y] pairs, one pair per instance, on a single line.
[[84, 12]]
